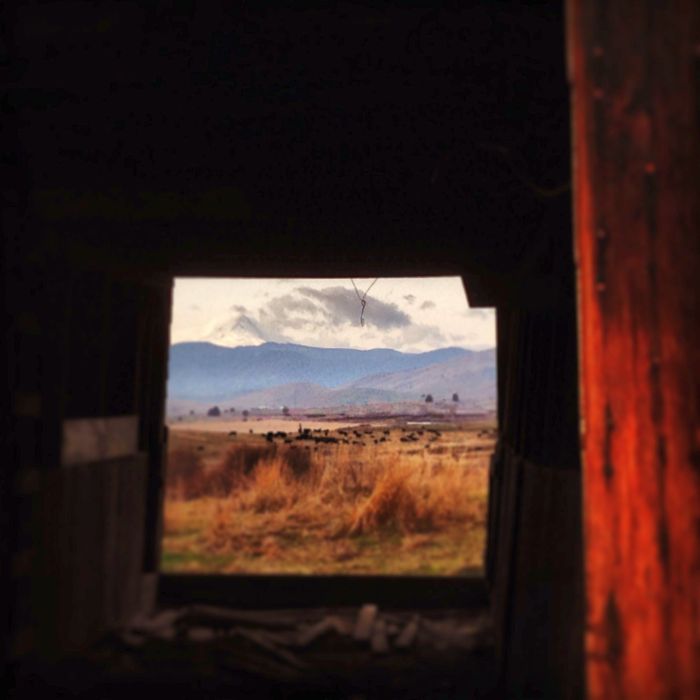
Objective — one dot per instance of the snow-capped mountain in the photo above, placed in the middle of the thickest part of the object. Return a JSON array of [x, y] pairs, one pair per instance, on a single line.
[[236, 332]]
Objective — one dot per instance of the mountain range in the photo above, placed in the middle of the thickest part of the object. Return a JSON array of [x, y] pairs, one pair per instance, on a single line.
[[272, 375]]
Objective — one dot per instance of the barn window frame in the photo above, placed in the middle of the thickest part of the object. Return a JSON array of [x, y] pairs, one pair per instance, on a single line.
[[467, 591]]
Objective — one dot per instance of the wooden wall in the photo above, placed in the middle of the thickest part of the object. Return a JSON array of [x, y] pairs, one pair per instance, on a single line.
[[534, 560], [86, 347], [90, 532], [634, 67]]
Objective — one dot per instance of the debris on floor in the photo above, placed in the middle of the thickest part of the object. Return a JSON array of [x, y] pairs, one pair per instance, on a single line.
[[333, 652], [382, 631]]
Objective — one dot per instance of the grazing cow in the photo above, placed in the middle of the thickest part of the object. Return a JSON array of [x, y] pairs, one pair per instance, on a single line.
[[232, 433], [327, 440]]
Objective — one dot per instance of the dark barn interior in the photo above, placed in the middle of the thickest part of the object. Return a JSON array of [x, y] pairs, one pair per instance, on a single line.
[[547, 153]]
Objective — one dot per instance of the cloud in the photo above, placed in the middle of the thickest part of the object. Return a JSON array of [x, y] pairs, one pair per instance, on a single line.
[[428, 304], [287, 312], [413, 337], [481, 314], [286, 306], [341, 306], [409, 298]]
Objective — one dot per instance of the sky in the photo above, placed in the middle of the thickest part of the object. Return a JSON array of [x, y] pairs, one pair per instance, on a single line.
[[413, 314]]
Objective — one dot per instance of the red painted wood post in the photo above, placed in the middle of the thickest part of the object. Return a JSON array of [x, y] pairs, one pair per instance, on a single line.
[[634, 67]]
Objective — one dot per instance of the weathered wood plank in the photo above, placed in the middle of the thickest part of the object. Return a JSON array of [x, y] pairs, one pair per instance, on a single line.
[[140, 475], [365, 622], [153, 373], [46, 585], [90, 521], [94, 439], [217, 616], [109, 499], [130, 534], [311, 633], [545, 624], [535, 598], [507, 545], [634, 73], [408, 633], [379, 643], [66, 614]]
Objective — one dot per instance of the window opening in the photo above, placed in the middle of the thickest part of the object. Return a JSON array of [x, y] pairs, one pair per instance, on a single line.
[[328, 426]]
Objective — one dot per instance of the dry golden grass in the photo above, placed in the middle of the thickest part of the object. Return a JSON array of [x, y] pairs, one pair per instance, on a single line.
[[390, 507], [185, 474]]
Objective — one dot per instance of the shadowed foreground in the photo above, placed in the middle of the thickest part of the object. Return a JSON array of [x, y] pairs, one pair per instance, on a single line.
[[208, 652]]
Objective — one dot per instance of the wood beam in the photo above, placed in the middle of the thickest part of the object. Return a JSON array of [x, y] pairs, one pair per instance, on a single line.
[[635, 93]]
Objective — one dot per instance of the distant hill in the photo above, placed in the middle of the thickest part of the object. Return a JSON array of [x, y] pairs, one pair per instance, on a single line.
[[206, 372], [274, 375], [470, 375], [314, 396]]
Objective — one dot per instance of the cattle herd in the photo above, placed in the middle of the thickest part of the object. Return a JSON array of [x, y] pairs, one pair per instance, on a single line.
[[355, 436]]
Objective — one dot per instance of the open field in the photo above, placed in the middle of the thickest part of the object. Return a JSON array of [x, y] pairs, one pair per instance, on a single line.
[[404, 500], [258, 425]]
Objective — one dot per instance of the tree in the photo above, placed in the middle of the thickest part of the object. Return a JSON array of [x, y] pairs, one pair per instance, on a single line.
[[246, 413], [429, 398], [455, 397], [285, 410], [214, 411]]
